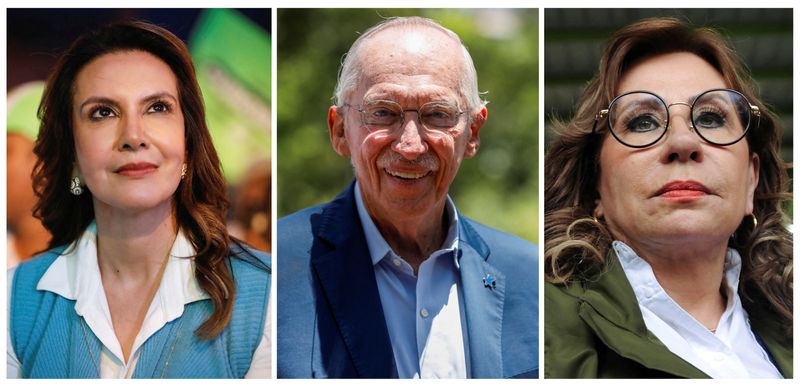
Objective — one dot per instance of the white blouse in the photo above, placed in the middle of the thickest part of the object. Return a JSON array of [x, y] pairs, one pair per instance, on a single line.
[[730, 352], [76, 276]]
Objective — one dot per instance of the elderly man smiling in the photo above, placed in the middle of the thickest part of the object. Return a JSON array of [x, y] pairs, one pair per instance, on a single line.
[[389, 279]]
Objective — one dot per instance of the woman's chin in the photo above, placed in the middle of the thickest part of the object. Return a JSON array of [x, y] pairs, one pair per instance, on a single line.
[[677, 235], [135, 203]]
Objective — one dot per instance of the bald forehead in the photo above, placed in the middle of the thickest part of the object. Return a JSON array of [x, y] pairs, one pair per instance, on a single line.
[[410, 49]]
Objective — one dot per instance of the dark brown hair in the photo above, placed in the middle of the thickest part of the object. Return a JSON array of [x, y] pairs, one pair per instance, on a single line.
[[201, 198], [576, 243]]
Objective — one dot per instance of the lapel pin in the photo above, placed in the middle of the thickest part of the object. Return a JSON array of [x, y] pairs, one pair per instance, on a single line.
[[489, 281]]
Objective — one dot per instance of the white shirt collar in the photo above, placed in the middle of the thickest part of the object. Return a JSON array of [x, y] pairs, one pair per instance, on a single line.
[[377, 245], [75, 275], [641, 275], [733, 351]]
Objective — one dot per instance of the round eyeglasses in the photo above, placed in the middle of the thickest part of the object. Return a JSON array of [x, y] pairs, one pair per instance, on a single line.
[[383, 114], [640, 118]]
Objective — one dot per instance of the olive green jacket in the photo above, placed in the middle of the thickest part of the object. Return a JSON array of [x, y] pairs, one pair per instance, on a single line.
[[596, 330]]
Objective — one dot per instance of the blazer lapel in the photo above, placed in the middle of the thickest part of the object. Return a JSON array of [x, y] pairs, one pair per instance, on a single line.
[[483, 304], [610, 308], [347, 282]]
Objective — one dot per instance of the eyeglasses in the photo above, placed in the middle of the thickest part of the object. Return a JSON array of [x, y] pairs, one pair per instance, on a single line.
[[640, 118], [383, 114]]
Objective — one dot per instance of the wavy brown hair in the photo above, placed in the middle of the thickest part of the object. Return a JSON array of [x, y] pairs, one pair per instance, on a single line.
[[576, 243], [200, 201]]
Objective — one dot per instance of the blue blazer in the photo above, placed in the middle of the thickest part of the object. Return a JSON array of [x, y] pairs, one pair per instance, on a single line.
[[330, 318]]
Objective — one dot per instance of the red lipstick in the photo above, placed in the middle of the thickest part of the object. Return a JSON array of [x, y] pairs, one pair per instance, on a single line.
[[683, 190], [136, 169]]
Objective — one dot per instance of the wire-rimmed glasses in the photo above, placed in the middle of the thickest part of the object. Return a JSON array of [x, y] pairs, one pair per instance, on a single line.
[[385, 114], [640, 118]]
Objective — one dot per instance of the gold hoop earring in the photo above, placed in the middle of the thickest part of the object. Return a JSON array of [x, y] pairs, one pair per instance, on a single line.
[[755, 220], [183, 171]]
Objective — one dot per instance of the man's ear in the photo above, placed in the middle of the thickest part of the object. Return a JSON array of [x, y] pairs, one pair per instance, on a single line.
[[474, 142], [337, 133]]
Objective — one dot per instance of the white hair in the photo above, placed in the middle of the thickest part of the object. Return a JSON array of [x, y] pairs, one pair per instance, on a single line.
[[351, 71]]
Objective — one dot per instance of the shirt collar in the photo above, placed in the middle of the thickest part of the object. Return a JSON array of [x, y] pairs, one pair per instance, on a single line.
[[650, 294], [75, 275], [377, 245], [640, 273], [683, 335]]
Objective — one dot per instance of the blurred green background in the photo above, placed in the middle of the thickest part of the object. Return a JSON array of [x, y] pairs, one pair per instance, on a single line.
[[499, 187]]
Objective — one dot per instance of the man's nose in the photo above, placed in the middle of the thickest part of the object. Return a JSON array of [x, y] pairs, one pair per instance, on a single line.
[[410, 144]]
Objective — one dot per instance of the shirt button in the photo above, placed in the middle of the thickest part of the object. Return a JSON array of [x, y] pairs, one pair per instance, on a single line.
[[397, 262], [423, 312]]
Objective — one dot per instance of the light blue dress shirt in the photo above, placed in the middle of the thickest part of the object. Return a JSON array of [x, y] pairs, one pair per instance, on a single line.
[[423, 313]]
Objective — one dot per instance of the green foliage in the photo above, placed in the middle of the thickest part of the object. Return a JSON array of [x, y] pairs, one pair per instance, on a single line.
[[498, 187]]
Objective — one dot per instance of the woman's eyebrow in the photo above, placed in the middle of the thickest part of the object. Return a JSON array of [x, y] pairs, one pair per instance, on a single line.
[[635, 104], [159, 96], [112, 102], [98, 100]]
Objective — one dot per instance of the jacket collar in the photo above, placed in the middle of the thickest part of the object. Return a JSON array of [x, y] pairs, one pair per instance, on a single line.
[[483, 304], [608, 306], [347, 280], [344, 270]]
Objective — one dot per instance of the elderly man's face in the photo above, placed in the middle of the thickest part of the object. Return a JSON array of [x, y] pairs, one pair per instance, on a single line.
[[405, 170]]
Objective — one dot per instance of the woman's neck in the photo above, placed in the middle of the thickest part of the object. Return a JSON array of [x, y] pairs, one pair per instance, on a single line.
[[134, 245], [692, 277], [132, 252]]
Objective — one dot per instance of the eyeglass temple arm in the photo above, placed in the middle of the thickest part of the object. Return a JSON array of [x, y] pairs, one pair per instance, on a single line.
[[600, 115], [757, 112]]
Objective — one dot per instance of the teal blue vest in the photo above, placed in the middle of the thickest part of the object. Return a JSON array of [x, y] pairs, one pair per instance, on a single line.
[[49, 340]]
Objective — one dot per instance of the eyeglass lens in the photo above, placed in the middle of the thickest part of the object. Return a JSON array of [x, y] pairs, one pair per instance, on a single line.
[[387, 114], [640, 118]]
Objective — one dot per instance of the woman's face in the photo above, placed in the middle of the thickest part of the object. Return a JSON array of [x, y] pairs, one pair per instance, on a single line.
[[681, 190], [129, 131]]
